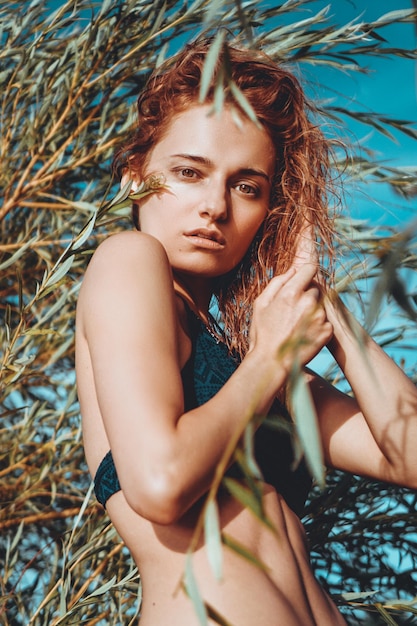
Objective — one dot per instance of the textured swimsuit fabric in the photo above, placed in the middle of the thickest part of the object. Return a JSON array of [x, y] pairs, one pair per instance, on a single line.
[[205, 373]]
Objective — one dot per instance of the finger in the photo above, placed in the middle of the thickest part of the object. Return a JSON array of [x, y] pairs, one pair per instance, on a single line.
[[304, 274], [306, 249], [277, 282], [314, 293]]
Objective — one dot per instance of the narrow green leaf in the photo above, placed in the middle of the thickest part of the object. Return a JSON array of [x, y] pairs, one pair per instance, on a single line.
[[396, 16], [243, 495], [85, 207], [194, 7], [161, 55], [351, 596], [61, 350], [249, 452], [123, 193], [218, 100], [103, 588], [105, 6], [243, 102], [307, 427], [19, 252], [213, 7], [62, 599], [17, 536], [213, 538], [26, 359], [85, 233], [81, 512], [193, 592], [129, 576], [249, 500], [210, 64], [59, 273], [159, 19], [240, 549], [123, 199]]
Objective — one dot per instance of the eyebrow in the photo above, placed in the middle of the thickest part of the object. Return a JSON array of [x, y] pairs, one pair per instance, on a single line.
[[246, 171]]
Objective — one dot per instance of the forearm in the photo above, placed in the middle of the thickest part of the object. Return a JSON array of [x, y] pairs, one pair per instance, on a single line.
[[206, 436], [385, 395]]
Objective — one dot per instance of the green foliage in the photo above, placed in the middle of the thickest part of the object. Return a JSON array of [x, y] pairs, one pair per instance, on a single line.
[[69, 75], [363, 542]]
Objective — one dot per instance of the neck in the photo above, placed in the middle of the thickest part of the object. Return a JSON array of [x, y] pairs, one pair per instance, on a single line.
[[197, 295]]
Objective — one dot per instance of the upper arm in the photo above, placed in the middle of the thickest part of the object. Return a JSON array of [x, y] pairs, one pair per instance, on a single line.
[[127, 316], [348, 443]]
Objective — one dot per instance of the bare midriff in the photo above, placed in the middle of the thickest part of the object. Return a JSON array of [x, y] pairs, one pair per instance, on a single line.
[[283, 592]]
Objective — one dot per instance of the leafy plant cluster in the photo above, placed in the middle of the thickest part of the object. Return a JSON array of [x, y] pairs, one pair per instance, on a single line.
[[69, 73]]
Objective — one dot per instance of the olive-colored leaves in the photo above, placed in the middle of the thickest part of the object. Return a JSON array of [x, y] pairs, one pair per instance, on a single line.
[[69, 77]]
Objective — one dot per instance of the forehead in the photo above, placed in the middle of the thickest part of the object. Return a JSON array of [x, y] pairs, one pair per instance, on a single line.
[[221, 137]]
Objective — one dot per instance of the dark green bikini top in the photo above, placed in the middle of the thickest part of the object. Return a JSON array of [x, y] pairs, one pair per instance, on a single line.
[[207, 370]]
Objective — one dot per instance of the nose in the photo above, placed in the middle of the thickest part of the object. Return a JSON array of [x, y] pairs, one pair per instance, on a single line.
[[215, 203]]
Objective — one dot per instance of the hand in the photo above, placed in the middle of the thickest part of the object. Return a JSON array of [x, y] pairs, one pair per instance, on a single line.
[[289, 320]]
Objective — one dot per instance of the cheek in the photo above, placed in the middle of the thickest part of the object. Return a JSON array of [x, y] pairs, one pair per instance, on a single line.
[[152, 211], [252, 226], [149, 220], [245, 237]]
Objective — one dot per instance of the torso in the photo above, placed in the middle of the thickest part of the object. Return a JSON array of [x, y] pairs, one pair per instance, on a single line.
[[284, 593]]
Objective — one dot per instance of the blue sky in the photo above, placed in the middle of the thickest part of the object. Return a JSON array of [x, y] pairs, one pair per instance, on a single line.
[[389, 88]]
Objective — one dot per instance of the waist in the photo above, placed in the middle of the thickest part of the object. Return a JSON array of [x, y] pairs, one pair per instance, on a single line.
[[160, 553], [280, 589]]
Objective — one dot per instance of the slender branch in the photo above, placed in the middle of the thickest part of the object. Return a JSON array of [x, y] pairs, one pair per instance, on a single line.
[[46, 516]]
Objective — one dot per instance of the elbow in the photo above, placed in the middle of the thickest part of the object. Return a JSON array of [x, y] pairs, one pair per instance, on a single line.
[[409, 480], [400, 473], [156, 498]]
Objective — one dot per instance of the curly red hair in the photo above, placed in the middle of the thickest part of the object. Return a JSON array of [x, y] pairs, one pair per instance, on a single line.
[[302, 176]]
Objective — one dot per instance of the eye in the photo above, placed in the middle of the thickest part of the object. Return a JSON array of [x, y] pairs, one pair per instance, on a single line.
[[247, 189], [187, 172]]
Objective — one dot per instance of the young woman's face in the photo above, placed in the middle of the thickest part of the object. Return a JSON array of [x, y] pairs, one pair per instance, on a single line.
[[218, 174]]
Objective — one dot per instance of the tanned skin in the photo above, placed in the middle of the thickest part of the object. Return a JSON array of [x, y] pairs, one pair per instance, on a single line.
[[132, 342]]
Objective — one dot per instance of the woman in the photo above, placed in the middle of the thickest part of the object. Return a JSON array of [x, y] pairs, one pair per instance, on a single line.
[[237, 218]]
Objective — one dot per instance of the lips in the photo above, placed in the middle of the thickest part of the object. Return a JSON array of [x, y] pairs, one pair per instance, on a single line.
[[207, 233]]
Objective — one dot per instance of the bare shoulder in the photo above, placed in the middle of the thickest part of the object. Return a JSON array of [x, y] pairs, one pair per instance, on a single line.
[[129, 274], [125, 247], [128, 258]]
